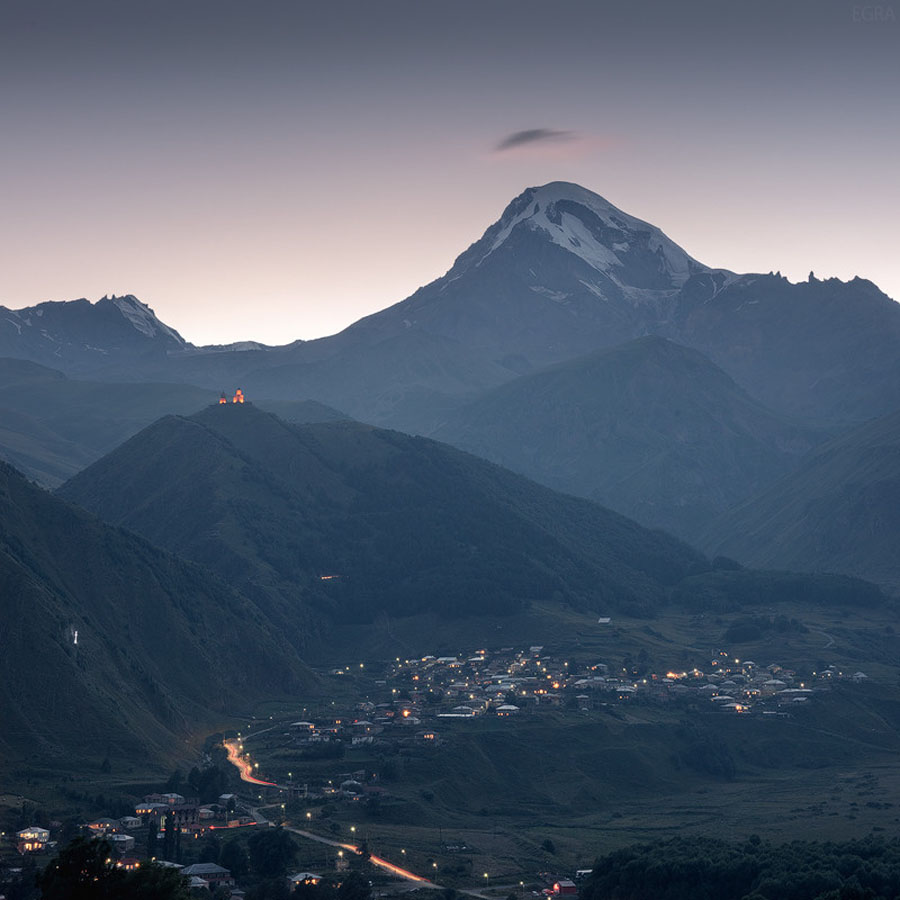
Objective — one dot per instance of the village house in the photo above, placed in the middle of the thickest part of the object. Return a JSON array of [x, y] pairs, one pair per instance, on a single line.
[[121, 843], [103, 826], [33, 839], [150, 810], [211, 873], [303, 878], [128, 863]]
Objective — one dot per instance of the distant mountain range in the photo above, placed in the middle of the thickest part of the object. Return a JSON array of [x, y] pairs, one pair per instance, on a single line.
[[562, 273], [549, 346], [111, 647]]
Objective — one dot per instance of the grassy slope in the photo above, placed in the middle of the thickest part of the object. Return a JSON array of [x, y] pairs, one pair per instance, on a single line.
[[163, 647], [839, 512], [410, 524]]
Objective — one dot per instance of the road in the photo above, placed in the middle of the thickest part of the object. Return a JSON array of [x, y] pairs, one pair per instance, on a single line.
[[241, 764], [233, 747], [398, 872]]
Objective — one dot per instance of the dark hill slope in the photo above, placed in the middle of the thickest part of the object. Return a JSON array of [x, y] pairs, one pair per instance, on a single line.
[[407, 523], [52, 427], [649, 428], [839, 512], [110, 646]]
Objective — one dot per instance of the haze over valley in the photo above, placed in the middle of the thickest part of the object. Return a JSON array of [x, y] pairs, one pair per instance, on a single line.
[[572, 571]]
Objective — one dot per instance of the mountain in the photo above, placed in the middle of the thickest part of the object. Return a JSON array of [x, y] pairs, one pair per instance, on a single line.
[[116, 648], [821, 349], [838, 512], [52, 427], [338, 521], [649, 428], [80, 337], [562, 273]]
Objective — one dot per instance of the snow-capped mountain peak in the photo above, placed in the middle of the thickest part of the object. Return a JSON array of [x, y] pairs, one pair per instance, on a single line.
[[77, 335], [590, 227], [142, 318]]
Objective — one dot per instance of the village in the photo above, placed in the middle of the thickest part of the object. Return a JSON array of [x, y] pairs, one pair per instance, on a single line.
[[419, 697], [415, 705]]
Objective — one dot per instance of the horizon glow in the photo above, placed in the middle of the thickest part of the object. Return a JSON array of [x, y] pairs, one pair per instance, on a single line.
[[278, 172]]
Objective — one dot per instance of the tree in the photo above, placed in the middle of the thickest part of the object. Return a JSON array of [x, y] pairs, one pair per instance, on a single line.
[[152, 843], [84, 871], [153, 882], [324, 890], [272, 889], [176, 779], [271, 852], [234, 858], [81, 872], [355, 887], [24, 887], [169, 840], [211, 849]]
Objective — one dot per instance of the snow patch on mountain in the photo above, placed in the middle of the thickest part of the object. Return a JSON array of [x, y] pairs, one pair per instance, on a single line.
[[553, 209], [236, 347], [143, 319]]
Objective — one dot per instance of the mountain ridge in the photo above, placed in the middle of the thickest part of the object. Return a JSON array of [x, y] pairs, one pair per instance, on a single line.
[[405, 521], [560, 274], [649, 428]]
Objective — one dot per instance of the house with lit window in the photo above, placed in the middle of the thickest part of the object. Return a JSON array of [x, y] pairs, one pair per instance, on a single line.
[[32, 839], [303, 878]]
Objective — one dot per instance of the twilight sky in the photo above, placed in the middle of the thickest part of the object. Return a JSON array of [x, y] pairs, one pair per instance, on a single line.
[[275, 169]]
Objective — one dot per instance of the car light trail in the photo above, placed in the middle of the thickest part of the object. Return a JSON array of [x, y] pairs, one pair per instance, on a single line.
[[243, 766], [396, 870], [375, 860]]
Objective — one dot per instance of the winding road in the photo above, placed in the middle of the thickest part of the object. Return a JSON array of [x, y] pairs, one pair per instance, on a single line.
[[234, 747]]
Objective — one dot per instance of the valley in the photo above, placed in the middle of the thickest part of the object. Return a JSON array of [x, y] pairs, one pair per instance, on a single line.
[[590, 770]]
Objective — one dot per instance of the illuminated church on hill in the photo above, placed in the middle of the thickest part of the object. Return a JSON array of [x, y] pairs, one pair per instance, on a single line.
[[238, 397]]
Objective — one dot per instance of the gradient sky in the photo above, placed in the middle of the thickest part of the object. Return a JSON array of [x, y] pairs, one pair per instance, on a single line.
[[275, 170]]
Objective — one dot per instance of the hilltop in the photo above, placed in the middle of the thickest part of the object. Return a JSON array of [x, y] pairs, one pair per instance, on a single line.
[[405, 524]]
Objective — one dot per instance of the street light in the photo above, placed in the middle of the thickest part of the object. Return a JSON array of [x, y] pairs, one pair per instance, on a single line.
[[486, 881]]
